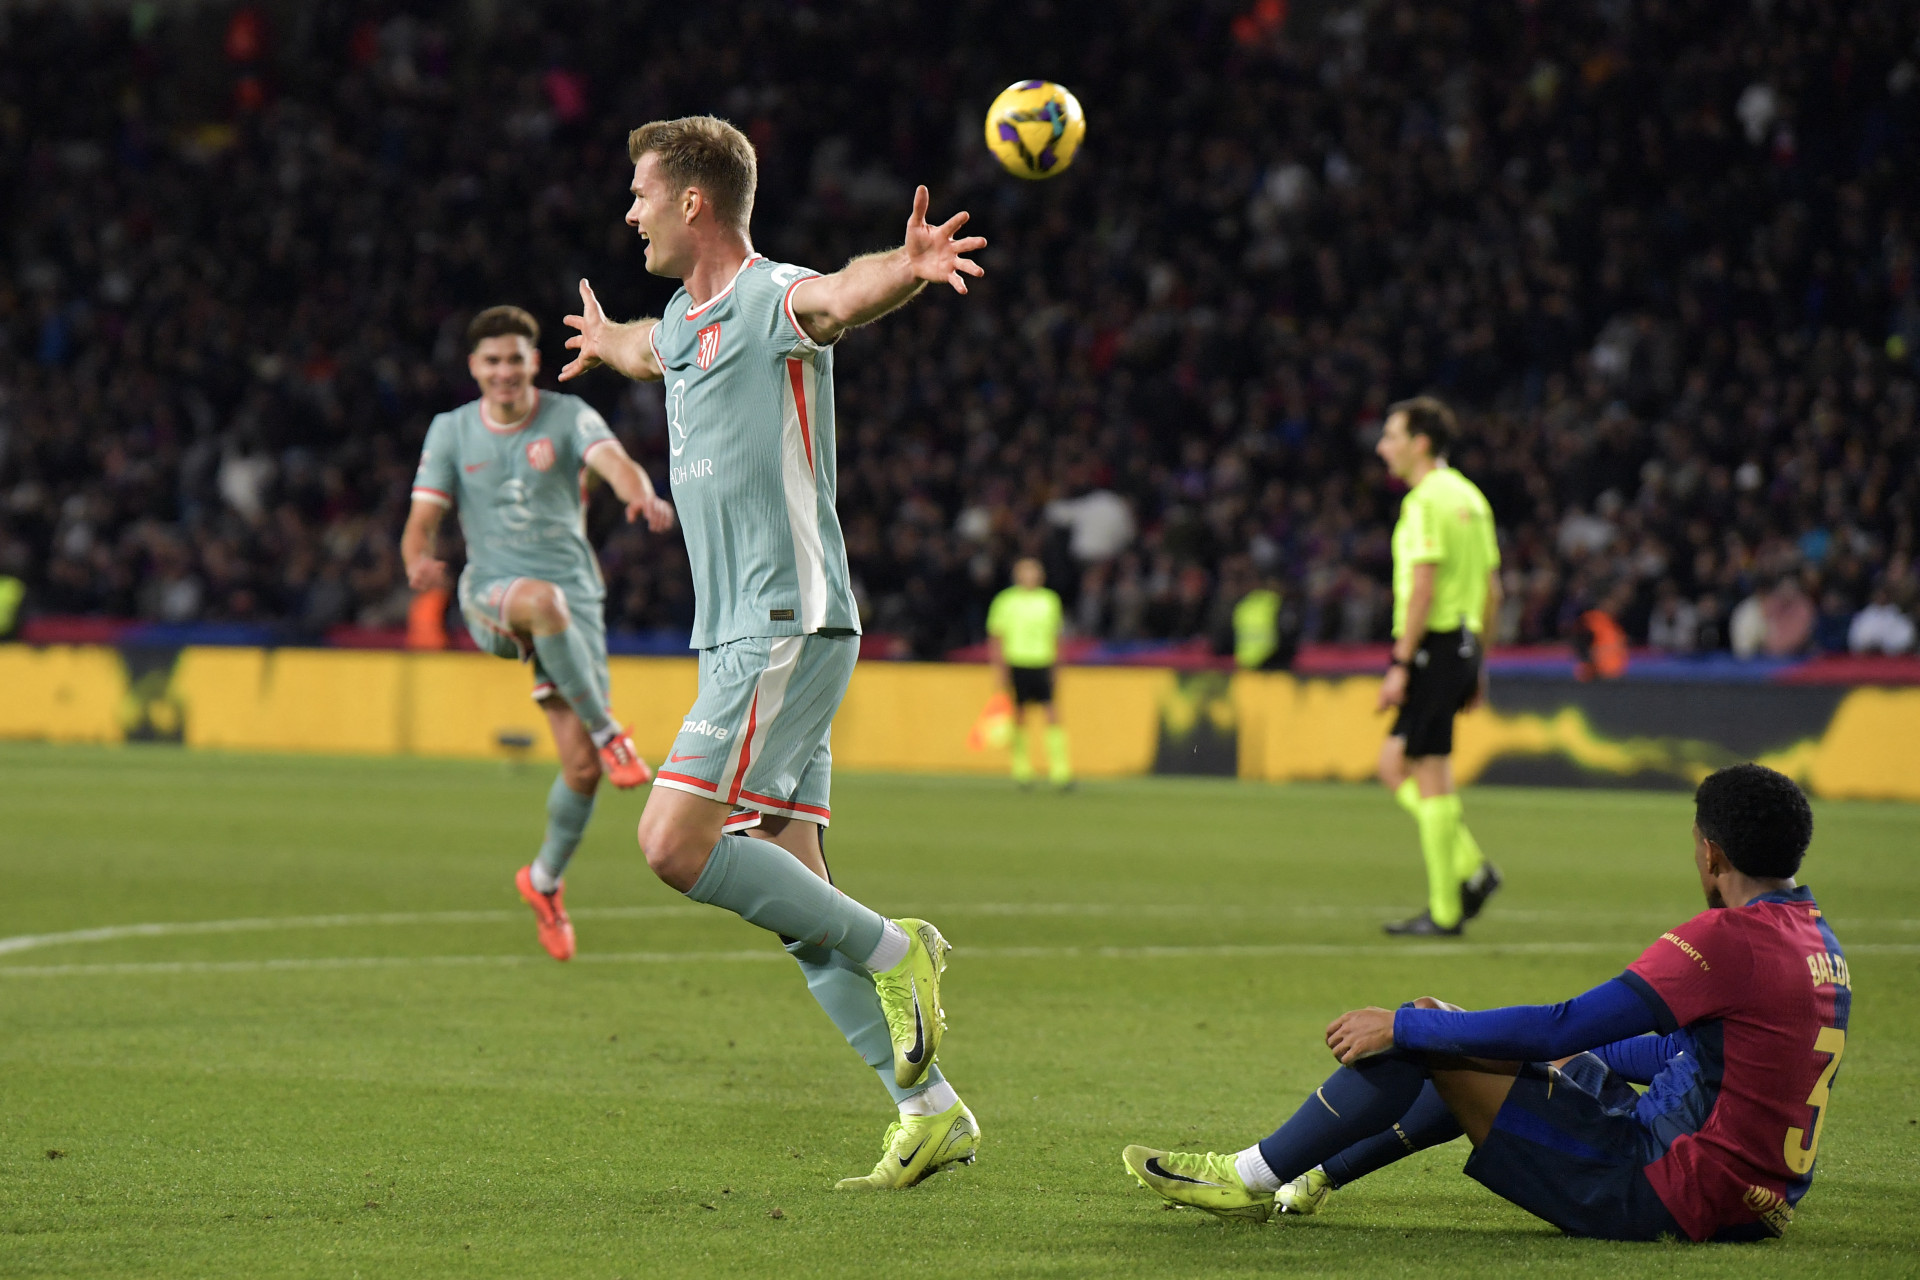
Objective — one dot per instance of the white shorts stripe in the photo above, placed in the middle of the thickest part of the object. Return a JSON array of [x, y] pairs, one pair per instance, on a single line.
[[769, 696]]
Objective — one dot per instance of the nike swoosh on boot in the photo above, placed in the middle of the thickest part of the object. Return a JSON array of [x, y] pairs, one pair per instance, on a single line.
[[919, 1031], [1159, 1170]]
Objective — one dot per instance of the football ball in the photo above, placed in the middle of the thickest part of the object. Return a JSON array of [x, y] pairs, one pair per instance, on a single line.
[[1034, 128]]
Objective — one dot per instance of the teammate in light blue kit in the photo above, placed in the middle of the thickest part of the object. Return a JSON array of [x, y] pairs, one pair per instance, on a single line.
[[515, 463], [746, 351]]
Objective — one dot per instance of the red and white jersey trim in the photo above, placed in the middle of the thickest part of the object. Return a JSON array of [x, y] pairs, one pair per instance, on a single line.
[[799, 478], [605, 440], [696, 312], [786, 307], [499, 430], [786, 808], [423, 494]]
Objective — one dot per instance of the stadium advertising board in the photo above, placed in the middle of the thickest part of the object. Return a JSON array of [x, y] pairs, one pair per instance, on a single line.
[[1839, 741]]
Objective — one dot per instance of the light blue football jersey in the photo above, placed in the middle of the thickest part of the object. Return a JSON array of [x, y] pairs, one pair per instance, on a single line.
[[750, 426], [520, 491]]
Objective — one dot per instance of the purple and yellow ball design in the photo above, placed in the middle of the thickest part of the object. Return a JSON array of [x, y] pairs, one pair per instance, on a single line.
[[1034, 128]]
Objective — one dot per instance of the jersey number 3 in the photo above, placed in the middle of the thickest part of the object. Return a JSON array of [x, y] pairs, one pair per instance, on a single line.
[[1800, 1148]]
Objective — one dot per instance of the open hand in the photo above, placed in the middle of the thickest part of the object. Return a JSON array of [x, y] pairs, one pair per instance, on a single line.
[[592, 324], [932, 252], [1360, 1034], [657, 512], [1393, 689]]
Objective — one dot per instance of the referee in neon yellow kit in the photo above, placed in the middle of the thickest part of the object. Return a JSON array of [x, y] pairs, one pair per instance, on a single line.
[[1023, 641], [1446, 593]]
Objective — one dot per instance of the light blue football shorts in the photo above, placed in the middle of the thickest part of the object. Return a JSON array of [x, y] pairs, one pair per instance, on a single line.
[[483, 604], [758, 735]]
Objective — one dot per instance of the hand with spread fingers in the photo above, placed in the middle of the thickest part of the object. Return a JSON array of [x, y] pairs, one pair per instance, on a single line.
[[933, 253], [621, 347]]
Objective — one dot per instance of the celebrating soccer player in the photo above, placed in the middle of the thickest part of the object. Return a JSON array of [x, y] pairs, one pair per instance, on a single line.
[[1446, 591], [512, 463], [1748, 1004], [1023, 640], [746, 348]]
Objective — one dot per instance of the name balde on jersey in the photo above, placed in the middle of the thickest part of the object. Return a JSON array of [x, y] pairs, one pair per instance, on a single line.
[[750, 433]]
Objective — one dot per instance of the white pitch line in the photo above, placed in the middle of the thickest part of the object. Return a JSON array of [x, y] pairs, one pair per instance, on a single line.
[[269, 924], [1222, 952]]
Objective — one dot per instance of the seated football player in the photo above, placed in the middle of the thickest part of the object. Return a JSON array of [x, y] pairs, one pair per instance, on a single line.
[[1736, 1020]]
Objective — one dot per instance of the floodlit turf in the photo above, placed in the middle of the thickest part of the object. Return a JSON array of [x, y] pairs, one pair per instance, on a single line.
[[427, 1094]]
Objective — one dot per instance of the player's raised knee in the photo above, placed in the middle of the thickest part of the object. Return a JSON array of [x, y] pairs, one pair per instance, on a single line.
[[672, 853], [545, 606]]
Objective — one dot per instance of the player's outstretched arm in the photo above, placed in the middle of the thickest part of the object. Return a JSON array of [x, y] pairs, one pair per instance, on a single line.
[[631, 484], [867, 288], [624, 348]]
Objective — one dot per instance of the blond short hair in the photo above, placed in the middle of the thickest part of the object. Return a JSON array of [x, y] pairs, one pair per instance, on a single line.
[[704, 152]]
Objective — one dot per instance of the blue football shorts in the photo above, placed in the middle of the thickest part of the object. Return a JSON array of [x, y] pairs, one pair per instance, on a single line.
[[1567, 1147]]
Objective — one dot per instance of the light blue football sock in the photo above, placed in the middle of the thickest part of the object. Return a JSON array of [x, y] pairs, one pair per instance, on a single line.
[[567, 814], [568, 662], [763, 884], [844, 989]]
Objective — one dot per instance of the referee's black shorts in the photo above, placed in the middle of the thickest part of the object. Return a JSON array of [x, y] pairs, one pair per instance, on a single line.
[[1031, 684], [1443, 677]]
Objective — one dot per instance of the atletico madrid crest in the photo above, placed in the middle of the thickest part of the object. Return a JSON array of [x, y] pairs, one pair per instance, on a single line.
[[709, 346], [540, 453]]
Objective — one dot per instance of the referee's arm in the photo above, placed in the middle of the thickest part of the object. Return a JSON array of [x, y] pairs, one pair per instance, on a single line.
[[1488, 616], [1393, 690], [1419, 605]]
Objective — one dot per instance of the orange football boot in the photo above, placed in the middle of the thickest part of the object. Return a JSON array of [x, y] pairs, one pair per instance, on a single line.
[[623, 765], [550, 912]]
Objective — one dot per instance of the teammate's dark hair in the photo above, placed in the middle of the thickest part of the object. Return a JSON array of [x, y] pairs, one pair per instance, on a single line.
[[1759, 818], [497, 322], [1430, 417], [704, 152]]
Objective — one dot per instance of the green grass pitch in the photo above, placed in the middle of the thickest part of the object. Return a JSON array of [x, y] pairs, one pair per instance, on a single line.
[[389, 1079]]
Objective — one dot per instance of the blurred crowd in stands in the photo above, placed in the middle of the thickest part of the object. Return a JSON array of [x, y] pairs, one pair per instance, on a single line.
[[1661, 253]]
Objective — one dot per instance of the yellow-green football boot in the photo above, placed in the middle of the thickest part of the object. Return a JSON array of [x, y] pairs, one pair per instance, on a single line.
[[919, 1147], [910, 999], [1198, 1181], [1305, 1194]]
